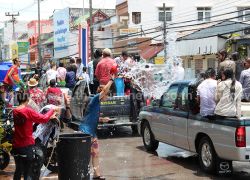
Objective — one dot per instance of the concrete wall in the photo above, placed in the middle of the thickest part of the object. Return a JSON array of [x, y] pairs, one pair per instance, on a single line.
[[200, 46], [183, 10]]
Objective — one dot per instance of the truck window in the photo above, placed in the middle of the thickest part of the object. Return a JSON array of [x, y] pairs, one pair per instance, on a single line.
[[169, 98]]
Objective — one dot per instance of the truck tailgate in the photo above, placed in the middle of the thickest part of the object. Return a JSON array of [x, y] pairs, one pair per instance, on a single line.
[[116, 106]]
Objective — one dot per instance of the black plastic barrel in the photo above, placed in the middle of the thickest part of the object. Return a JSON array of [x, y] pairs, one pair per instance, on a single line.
[[73, 155]]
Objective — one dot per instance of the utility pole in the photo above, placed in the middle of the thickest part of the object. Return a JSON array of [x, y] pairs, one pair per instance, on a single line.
[[39, 33], [83, 9], [165, 33], [13, 21], [91, 30]]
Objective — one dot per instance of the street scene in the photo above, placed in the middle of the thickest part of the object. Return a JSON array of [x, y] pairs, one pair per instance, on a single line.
[[123, 89]]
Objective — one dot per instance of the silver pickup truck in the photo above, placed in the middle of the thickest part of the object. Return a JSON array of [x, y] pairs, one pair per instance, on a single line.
[[171, 120]]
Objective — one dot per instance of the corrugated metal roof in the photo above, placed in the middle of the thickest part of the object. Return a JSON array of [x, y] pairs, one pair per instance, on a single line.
[[225, 27]]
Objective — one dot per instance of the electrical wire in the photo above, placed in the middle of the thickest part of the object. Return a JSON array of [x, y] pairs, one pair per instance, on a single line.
[[174, 27]]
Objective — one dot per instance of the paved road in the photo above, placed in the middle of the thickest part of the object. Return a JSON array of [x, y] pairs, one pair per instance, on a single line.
[[123, 157]]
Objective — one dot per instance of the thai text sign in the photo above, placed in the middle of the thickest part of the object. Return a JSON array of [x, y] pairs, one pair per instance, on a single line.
[[61, 33]]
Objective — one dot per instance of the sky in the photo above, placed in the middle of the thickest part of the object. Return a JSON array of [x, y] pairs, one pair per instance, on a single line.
[[28, 8]]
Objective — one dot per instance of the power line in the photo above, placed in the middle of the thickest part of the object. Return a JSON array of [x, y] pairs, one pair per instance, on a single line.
[[136, 34], [134, 44], [13, 21]]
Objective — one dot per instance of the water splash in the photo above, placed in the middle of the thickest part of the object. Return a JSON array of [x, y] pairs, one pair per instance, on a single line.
[[152, 79]]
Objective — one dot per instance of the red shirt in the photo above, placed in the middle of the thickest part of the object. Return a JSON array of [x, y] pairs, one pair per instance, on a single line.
[[23, 131], [102, 71], [55, 96], [38, 96], [14, 76]]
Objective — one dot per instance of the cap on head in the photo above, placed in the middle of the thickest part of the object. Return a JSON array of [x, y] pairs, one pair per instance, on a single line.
[[32, 82], [106, 52]]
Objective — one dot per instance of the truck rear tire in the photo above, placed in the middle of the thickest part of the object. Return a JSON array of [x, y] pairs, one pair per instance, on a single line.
[[149, 141], [207, 155]]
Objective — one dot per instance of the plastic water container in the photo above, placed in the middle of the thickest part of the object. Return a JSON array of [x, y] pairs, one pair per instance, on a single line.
[[119, 84]]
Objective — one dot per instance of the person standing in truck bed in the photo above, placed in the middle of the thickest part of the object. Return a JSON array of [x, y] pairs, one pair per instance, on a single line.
[[245, 81], [228, 96], [205, 94]]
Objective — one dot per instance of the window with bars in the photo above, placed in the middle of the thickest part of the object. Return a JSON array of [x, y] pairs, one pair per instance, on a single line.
[[136, 17], [211, 63], [204, 13], [168, 14], [244, 13]]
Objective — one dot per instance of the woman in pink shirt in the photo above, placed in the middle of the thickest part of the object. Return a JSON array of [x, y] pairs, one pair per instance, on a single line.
[[61, 74]]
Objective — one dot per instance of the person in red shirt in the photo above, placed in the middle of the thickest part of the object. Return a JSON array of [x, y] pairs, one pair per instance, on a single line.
[[23, 142], [102, 71], [54, 94], [36, 94], [12, 78]]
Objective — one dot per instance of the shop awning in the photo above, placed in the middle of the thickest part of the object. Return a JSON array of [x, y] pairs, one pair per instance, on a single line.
[[151, 51]]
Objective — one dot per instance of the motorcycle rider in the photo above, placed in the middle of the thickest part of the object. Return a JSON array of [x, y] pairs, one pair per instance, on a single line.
[[27, 156], [11, 79]]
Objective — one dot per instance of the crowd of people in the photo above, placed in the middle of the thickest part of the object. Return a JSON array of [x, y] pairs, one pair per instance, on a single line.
[[220, 95], [99, 75]]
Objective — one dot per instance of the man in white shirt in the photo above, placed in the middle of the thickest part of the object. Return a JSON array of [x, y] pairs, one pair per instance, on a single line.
[[51, 73], [205, 93], [179, 72], [79, 64]]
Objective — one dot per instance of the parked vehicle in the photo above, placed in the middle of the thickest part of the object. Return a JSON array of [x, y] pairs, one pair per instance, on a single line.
[[122, 110], [217, 142]]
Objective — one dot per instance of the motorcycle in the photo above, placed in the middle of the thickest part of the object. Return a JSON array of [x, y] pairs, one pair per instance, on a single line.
[[6, 134]]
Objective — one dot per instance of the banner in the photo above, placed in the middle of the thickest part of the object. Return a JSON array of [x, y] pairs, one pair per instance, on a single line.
[[61, 33], [23, 52]]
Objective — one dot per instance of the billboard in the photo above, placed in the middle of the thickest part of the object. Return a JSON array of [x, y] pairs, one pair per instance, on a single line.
[[128, 31], [61, 33], [23, 52], [20, 50]]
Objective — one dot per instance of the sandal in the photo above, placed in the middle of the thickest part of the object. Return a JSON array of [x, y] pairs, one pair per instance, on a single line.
[[99, 177]]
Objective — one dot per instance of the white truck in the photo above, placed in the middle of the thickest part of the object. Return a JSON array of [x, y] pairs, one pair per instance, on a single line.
[[217, 142]]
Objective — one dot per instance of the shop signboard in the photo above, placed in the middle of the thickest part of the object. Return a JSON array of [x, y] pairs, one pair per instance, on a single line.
[[61, 33], [159, 60], [14, 50], [23, 52], [128, 31]]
